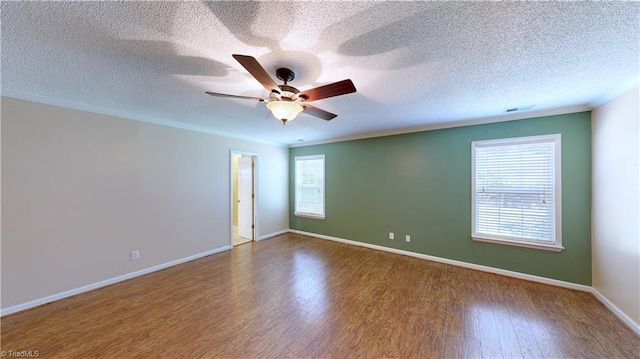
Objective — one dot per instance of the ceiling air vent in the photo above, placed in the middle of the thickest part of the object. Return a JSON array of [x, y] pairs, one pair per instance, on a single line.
[[518, 109]]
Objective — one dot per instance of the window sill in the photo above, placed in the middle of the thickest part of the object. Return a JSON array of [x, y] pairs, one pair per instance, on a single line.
[[546, 247], [309, 215]]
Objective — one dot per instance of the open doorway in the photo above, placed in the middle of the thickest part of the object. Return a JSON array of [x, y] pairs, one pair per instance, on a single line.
[[244, 198]]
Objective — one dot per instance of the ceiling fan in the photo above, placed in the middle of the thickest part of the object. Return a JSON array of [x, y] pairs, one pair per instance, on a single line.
[[286, 102]]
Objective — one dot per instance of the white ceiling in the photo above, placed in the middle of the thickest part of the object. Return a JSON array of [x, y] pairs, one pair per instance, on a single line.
[[414, 64]]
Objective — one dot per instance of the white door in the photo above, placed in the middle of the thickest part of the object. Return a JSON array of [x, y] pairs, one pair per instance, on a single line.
[[245, 197]]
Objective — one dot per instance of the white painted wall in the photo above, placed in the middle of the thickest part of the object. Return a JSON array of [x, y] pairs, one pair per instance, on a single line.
[[615, 203], [80, 191]]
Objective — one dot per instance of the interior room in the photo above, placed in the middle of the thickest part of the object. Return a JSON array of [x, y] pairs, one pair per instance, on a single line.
[[320, 179]]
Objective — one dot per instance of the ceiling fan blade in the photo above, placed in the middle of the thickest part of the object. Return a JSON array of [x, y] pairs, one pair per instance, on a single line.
[[335, 89], [234, 96], [256, 70], [314, 111]]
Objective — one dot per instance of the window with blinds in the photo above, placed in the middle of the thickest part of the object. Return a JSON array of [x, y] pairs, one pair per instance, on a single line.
[[516, 191], [309, 186]]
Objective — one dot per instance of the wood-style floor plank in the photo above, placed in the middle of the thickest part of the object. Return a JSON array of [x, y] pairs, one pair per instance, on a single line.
[[299, 297]]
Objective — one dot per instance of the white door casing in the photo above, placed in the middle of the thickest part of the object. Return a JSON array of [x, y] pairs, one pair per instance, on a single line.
[[245, 197]]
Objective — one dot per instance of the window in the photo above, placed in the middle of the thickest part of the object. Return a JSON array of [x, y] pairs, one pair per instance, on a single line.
[[309, 196], [516, 191]]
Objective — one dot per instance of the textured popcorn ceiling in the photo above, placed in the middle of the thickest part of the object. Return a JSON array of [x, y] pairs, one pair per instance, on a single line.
[[415, 64]]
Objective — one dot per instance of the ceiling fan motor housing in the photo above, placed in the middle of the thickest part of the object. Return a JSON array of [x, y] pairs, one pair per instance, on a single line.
[[288, 93]]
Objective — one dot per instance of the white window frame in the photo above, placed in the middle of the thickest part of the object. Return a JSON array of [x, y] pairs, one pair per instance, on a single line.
[[308, 214], [556, 245]]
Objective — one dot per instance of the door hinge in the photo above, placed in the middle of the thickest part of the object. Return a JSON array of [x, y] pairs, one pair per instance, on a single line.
[[253, 226], [253, 196]]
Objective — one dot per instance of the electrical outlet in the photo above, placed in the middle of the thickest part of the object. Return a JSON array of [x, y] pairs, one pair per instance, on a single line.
[[391, 235], [135, 255], [407, 238]]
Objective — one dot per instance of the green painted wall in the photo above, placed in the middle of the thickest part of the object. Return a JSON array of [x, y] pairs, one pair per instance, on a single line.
[[420, 184]]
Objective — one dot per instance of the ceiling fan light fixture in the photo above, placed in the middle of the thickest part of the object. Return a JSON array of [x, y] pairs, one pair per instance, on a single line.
[[284, 111], [286, 102]]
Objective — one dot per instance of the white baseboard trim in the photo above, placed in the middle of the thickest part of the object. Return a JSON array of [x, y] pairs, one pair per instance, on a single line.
[[612, 307], [265, 236], [619, 313], [86, 288], [479, 267]]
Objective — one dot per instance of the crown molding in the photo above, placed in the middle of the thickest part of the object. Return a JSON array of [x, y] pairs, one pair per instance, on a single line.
[[443, 125], [614, 92], [125, 115]]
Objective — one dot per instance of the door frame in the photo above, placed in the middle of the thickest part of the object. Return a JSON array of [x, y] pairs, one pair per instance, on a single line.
[[256, 167]]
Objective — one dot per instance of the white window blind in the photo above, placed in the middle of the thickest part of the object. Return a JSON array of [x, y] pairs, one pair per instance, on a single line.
[[309, 186], [516, 190]]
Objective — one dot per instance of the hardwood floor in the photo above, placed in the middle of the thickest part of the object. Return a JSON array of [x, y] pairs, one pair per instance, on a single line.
[[300, 297]]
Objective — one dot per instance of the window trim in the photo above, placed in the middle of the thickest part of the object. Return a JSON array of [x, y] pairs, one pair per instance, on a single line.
[[295, 186], [527, 243]]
